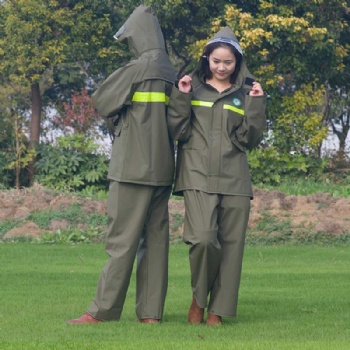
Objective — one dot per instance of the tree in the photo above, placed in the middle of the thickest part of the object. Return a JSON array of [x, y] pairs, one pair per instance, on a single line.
[[338, 105], [15, 155], [39, 36], [294, 53], [6, 137], [79, 115], [183, 22]]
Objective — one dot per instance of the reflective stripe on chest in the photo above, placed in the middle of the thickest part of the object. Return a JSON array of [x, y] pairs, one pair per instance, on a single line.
[[150, 97], [210, 104]]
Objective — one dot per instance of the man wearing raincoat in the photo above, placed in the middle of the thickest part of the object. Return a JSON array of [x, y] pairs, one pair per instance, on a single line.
[[227, 112], [141, 173]]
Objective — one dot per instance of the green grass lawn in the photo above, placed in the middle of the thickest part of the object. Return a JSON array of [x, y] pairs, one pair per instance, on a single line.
[[291, 297]]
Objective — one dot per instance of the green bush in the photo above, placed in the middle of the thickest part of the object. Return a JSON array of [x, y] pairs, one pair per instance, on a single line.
[[6, 226], [268, 166], [92, 230], [72, 164], [272, 230], [73, 214], [73, 235], [307, 186]]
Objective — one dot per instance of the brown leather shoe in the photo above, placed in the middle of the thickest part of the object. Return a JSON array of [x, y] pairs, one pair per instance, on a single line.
[[86, 318], [149, 320], [214, 320], [196, 313]]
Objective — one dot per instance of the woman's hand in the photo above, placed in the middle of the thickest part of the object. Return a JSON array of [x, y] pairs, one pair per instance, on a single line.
[[185, 84], [256, 90]]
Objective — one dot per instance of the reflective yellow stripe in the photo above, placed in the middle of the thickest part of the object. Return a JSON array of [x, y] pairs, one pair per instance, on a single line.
[[210, 104], [150, 97], [201, 103], [235, 109]]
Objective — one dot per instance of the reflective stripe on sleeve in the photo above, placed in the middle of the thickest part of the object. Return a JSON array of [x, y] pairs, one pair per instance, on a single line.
[[150, 97]]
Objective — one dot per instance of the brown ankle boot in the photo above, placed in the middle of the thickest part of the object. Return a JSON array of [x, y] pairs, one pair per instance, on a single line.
[[85, 318], [196, 313], [213, 320], [149, 320]]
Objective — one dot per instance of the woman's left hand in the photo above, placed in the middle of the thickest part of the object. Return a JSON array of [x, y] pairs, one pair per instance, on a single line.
[[256, 90]]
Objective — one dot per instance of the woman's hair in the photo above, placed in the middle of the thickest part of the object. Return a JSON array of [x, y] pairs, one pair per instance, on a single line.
[[204, 62]]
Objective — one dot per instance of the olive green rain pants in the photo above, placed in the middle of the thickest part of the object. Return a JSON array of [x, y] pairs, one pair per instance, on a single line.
[[214, 229], [138, 224]]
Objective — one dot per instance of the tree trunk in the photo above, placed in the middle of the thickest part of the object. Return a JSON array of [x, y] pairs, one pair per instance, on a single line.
[[18, 155], [342, 134], [325, 115], [34, 126], [341, 151]]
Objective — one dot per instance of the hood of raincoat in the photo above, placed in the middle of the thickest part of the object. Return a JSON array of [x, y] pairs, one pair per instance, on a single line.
[[142, 31], [226, 35]]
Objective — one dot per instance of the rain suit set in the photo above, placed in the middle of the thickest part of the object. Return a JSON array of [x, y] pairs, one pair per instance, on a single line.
[[213, 175], [141, 171]]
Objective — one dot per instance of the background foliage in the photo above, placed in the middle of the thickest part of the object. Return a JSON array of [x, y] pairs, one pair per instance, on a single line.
[[55, 53], [72, 164]]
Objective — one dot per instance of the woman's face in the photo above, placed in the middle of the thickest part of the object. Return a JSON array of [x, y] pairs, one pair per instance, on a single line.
[[222, 64]]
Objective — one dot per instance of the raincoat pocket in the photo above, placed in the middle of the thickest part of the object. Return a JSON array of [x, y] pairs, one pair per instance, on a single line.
[[236, 142]]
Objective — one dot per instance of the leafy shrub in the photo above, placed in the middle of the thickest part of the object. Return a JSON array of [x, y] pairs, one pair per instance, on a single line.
[[307, 186], [73, 235], [271, 230], [94, 192], [72, 164], [300, 237], [268, 166], [6, 226], [73, 214]]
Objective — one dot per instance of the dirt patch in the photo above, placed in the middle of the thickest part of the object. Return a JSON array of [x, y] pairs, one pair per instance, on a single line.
[[318, 212], [28, 229]]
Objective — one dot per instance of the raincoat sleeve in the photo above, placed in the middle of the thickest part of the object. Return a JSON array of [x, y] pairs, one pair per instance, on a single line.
[[179, 115], [116, 91], [250, 133]]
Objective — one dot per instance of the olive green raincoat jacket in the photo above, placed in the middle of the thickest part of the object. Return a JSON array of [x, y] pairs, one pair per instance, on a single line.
[[137, 95], [212, 155]]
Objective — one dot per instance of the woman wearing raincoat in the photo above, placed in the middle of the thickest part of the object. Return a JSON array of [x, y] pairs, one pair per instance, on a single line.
[[222, 110]]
